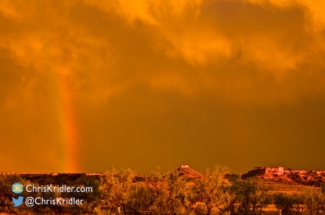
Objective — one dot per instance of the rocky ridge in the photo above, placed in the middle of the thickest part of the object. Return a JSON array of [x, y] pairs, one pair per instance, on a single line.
[[288, 176]]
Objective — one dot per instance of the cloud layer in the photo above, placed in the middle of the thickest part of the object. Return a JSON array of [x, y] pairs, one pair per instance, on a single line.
[[125, 66]]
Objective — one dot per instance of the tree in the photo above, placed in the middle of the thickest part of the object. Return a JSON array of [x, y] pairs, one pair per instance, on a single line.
[[285, 202], [115, 190], [178, 190], [141, 199], [314, 201], [209, 191], [251, 196]]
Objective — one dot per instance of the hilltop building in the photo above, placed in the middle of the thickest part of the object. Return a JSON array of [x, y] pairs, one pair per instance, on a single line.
[[288, 176], [184, 166], [274, 170]]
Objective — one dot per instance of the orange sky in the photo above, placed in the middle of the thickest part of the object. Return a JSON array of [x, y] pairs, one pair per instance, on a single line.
[[150, 83]]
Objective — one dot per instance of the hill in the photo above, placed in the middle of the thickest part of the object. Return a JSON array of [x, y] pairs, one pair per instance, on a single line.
[[288, 176]]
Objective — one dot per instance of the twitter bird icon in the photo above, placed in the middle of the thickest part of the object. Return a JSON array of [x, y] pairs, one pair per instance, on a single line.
[[17, 202]]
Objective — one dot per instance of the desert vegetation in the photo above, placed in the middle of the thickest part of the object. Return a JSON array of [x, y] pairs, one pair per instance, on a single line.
[[186, 191], [183, 191]]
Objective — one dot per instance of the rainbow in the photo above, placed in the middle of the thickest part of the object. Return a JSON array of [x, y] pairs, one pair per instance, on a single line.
[[69, 150]]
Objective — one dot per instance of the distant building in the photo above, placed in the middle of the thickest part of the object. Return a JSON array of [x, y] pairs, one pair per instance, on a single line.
[[185, 166], [274, 170], [189, 174]]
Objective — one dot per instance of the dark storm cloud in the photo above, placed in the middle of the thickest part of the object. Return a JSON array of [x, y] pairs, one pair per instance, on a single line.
[[163, 82]]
